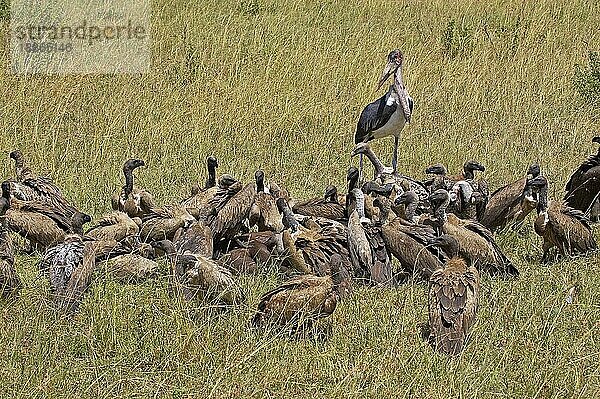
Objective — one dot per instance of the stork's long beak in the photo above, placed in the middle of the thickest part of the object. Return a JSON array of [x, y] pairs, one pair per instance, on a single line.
[[387, 72]]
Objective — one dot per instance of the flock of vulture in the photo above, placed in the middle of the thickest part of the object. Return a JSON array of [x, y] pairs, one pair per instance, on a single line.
[[439, 230]]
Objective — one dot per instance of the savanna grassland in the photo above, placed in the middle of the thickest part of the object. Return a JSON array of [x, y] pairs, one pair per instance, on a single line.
[[279, 85]]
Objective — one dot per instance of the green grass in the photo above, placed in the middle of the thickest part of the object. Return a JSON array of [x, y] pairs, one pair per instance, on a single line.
[[279, 85]]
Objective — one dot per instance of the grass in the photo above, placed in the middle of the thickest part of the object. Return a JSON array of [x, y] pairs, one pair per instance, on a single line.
[[279, 85]]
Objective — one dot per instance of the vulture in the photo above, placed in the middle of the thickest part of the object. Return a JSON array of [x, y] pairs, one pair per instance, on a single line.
[[475, 241], [10, 283], [439, 178], [210, 206], [583, 188], [229, 220], [470, 195], [510, 204], [327, 207], [559, 225], [134, 266], [134, 201], [373, 190], [310, 246], [162, 223], [256, 248], [352, 179], [31, 188], [409, 243], [302, 299], [410, 202], [39, 222], [198, 277], [453, 300], [201, 195], [69, 266], [114, 226], [196, 239], [468, 172], [366, 245], [264, 212]]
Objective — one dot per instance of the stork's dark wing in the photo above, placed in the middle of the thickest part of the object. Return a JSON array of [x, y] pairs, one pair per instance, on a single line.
[[373, 117]]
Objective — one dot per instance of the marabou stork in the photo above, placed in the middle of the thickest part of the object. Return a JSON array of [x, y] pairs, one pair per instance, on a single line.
[[387, 115]]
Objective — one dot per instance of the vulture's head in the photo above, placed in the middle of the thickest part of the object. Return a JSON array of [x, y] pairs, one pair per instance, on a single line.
[[437, 169]]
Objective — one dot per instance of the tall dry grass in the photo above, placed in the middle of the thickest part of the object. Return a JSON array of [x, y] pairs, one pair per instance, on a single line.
[[279, 85]]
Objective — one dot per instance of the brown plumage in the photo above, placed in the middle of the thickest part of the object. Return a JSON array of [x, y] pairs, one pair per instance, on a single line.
[[583, 188], [239, 261], [209, 205], [510, 204], [228, 220], [69, 267], [132, 268], [475, 241], [197, 277], [10, 283], [257, 249], [34, 221], [352, 179], [438, 179], [327, 206], [264, 212], [163, 223], [473, 199], [195, 239], [114, 226], [310, 247], [132, 200], [406, 205], [366, 245], [453, 301], [409, 243], [302, 299], [31, 188], [200, 196], [561, 226]]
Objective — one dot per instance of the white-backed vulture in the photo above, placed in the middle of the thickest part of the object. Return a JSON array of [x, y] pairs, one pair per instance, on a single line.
[[114, 226], [409, 243], [198, 277], [327, 206], [510, 204], [162, 223], [453, 301], [37, 222], [475, 241], [302, 299], [366, 245], [311, 245], [132, 200], [561, 226], [69, 267], [200, 196], [31, 188]]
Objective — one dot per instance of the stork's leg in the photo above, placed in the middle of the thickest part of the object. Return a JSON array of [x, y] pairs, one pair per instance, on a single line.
[[360, 167], [395, 156]]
